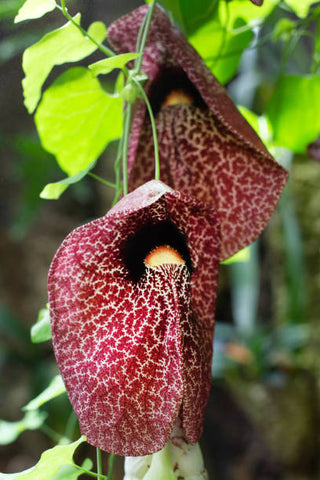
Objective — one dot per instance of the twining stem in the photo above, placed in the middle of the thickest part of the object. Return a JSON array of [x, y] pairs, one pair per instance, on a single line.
[[52, 434], [117, 169], [92, 474], [126, 131], [71, 424], [111, 460], [102, 48], [145, 29], [154, 132], [102, 180], [99, 463]]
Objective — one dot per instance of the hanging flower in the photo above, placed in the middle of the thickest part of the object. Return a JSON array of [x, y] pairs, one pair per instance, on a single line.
[[207, 149], [132, 297]]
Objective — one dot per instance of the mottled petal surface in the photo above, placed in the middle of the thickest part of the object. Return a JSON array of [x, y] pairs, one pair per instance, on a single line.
[[207, 150], [127, 346], [200, 156]]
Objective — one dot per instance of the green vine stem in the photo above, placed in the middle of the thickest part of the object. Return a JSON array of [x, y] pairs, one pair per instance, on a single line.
[[141, 43], [92, 474], [154, 131], [117, 169], [111, 460], [102, 180], [99, 464], [142, 37], [126, 132], [102, 48]]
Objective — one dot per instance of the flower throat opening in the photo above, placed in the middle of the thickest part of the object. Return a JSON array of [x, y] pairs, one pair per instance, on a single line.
[[171, 87], [151, 244]]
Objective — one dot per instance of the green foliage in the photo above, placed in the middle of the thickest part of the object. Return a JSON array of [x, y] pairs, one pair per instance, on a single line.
[[220, 47], [76, 119], [49, 464], [54, 389], [53, 191], [66, 44], [34, 9], [41, 330], [8, 8], [241, 256], [108, 64], [292, 111], [300, 8], [72, 473], [10, 431], [246, 10], [190, 15]]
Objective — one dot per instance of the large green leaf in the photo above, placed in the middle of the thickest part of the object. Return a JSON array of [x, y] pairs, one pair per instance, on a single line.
[[76, 119], [300, 7], [293, 112], [34, 9], [190, 14], [66, 44], [55, 388], [244, 9], [221, 48], [10, 431], [49, 464]]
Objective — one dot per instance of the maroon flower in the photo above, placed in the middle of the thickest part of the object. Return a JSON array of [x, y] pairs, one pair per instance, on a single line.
[[206, 147], [132, 334]]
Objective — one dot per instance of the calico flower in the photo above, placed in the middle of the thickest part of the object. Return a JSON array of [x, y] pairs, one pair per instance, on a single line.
[[207, 149], [132, 298]]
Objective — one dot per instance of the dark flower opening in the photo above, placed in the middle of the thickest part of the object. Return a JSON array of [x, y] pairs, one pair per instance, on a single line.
[[147, 239], [172, 79]]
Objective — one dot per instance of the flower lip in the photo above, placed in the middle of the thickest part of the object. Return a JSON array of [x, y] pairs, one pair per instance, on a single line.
[[149, 237], [169, 79]]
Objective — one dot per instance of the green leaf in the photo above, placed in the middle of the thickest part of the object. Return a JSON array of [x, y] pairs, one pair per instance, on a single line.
[[53, 191], [66, 44], [108, 64], [10, 431], [196, 13], [241, 256], [55, 388], [72, 473], [260, 125], [9, 8], [190, 14], [283, 29], [300, 8], [34, 9], [41, 330], [49, 464], [221, 48], [246, 10], [292, 112], [76, 119], [174, 7]]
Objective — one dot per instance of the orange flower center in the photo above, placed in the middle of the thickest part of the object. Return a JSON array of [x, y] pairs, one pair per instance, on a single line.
[[163, 255], [177, 97]]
